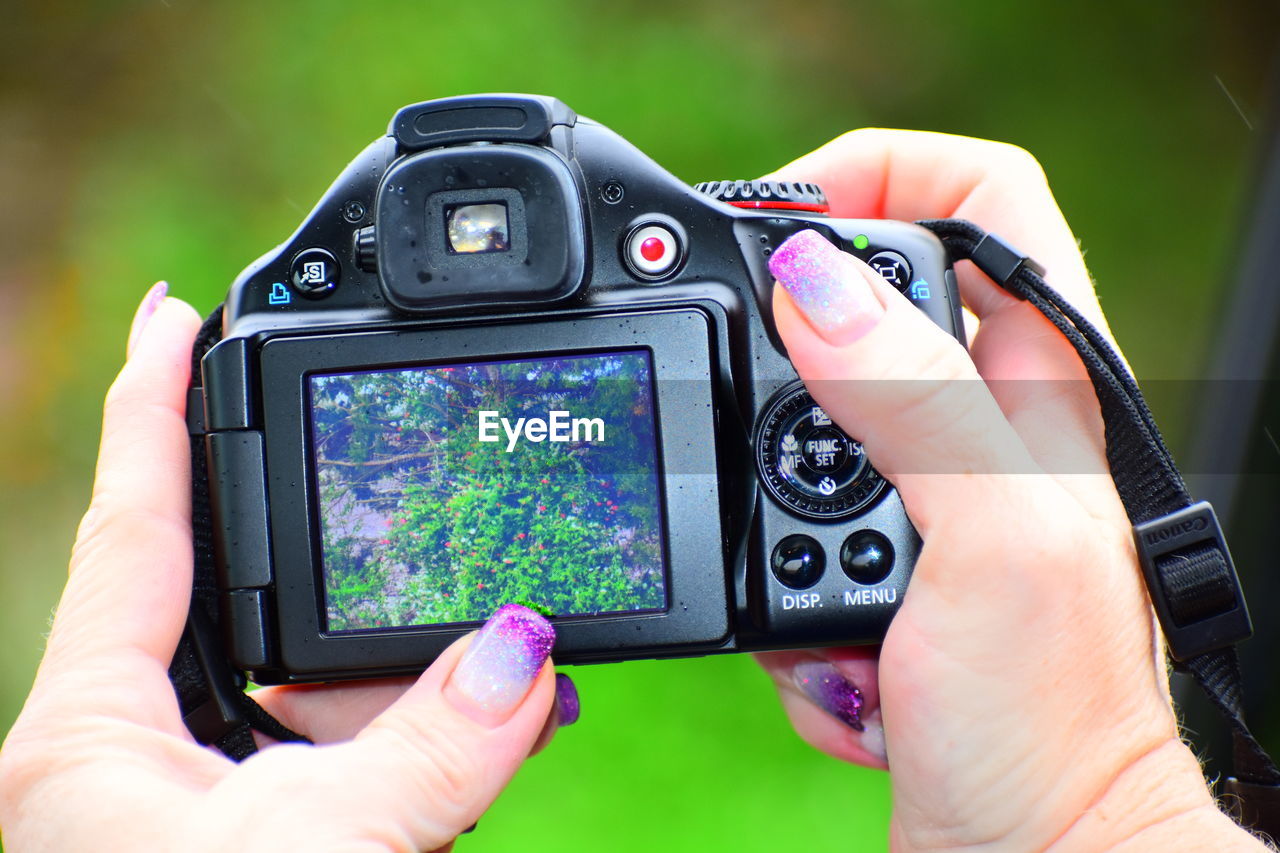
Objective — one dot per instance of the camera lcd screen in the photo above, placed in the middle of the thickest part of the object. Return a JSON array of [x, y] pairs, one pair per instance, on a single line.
[[478, 228], [446, 491]]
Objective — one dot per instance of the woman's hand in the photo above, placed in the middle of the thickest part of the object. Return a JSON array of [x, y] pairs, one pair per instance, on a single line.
[[100, 759], [1020, 695]]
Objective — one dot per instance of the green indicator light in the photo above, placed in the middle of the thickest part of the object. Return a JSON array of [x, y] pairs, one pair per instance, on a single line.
[[861, 242]]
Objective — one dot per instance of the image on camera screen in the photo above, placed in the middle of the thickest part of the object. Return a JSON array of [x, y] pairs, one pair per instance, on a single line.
[[447, 491], [478, 228]]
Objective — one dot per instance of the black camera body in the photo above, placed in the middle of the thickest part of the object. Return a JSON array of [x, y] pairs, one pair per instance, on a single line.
[[508, 358]]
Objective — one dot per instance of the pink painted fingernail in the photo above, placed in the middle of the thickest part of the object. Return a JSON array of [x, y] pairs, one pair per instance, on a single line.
[[503, 659], [150, 303], [568, 708], [827, 688], [830, 287]]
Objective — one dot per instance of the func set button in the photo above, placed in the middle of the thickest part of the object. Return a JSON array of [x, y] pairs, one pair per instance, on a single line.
[[798, 561], [824, 449], [808, 464]]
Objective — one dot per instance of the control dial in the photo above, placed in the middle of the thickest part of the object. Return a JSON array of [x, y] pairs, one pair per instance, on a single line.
[[810, 465], [768, 195]]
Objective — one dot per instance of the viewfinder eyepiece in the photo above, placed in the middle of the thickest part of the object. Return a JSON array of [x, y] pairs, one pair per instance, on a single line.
[[478, 228], [479, 225]]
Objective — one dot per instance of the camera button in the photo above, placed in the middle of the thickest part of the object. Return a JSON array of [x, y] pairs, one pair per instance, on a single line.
[[314, 272], [866, 557], [652, 251], [808, 464], [798, 561], [892, 267], [824, 449]]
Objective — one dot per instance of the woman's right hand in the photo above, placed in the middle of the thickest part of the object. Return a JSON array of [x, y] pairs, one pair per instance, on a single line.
[[1020, 695]]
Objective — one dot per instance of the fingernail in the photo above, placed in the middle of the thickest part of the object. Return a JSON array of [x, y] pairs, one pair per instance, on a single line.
[[567, 706], [873, 740], [504, 658], [150, 303], [827, 688], [828, 286]]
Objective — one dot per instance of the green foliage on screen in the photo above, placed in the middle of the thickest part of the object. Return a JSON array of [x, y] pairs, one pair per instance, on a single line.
[[425, 523]]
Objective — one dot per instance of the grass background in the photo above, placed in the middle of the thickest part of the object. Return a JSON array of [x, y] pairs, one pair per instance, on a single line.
[[177, 140]]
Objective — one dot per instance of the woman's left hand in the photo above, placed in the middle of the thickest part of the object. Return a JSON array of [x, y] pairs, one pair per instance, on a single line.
[[99, 758]]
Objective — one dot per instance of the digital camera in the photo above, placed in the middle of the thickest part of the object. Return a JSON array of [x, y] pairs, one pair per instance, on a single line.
[[508, 358]]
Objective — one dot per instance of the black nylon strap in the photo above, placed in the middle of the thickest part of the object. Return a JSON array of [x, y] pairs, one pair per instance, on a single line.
[[1194, 585], [1188, 568]]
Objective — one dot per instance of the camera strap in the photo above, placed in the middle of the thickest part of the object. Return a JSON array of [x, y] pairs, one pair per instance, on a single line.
[[1185, 561], [211, 695]]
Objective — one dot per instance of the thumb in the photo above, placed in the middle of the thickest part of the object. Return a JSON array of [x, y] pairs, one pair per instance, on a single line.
[[428, 767], [895, 381]]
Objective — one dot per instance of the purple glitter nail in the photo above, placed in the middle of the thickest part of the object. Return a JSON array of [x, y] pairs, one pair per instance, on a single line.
[[826, 285], [830, 691], [504, 658], [567, 705]]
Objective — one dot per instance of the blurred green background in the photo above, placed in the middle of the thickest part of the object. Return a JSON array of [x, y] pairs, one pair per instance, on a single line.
[[179, 140]]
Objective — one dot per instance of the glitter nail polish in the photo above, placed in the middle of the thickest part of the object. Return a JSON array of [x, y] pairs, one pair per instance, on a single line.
[[830, 691], [504, 658], [567, 705], [827, 286]]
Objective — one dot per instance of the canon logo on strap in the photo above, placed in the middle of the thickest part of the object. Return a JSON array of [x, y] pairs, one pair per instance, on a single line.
[[1164, 534]]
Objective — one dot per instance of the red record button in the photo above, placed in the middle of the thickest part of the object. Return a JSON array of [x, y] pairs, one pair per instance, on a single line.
[[652, 251]]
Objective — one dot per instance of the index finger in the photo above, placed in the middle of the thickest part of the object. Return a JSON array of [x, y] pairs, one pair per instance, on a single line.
[[874, 173], [1034, 374]]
